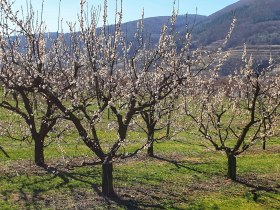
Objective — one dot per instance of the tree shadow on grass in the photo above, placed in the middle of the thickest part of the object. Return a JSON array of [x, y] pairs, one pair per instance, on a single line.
[[31, 188], [88, 179], [119, 200], [129, 198], [132, 204], [153, 198], [258, 186], [188, 165]]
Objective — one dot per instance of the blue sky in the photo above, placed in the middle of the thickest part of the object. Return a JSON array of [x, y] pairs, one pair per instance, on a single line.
[[132, 8]]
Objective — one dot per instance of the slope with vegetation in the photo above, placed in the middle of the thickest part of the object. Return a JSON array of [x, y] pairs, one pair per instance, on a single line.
[[257, 24]]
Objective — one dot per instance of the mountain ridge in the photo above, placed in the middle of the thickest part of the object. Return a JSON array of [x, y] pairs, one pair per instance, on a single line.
[[257, 24]]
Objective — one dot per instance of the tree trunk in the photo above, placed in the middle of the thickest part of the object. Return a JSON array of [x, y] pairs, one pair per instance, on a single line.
[[107, 180], [108, 114], [151, 132], [150, 150], [39, 152], [264, 144], [168, 124], [232, 167]]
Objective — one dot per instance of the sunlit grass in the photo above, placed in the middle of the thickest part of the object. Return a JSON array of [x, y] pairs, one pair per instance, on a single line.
[[185, 174]]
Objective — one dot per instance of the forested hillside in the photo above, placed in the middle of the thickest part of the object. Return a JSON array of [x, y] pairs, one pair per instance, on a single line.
[[257, 24]]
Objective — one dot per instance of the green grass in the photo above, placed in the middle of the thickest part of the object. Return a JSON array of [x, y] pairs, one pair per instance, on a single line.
[[186, 174], [196, 181]]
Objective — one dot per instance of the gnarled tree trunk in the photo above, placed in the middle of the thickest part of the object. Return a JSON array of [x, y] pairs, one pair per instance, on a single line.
[[150, 150], [264, 145], [151, 133], [107, 180], [231, 166], [39, 152]]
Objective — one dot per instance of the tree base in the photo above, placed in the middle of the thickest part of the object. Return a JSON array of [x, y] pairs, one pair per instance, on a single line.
[[232, 167], [39, 153], [107, 181], [41, 164], [150, 150]]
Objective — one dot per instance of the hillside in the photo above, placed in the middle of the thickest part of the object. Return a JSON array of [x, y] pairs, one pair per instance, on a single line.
[[153, 25], [257, 24]]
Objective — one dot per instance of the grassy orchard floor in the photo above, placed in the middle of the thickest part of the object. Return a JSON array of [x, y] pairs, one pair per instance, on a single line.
[[185, 175]]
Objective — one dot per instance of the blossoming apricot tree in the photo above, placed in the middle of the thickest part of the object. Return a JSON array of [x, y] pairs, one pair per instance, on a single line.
[[236, 111], [81, 75]]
